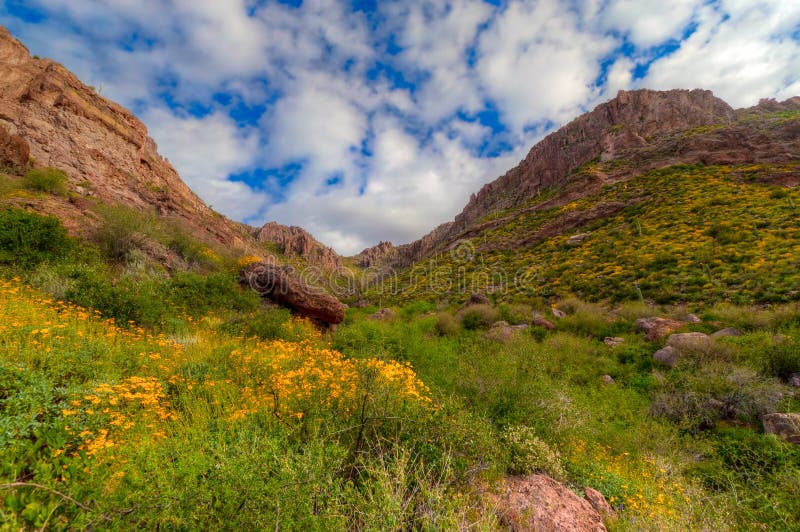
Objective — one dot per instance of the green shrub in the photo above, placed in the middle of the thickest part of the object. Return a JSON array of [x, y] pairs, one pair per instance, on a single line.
[[478, 316], [27, 239], [782, 359], [124, 230], [530, 454], [516, 314], [198, 294], [50, 180], [447, 324]]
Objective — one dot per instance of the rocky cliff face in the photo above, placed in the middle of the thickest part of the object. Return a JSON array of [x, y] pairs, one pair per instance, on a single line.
[[296, 241], [642, 130], [48, 114]]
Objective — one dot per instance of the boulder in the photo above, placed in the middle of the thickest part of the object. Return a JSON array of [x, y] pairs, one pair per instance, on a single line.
[[540, 321], [383, 314], [537, 502], [598, 501], [727, 331], [607, 379], [613, 341], [478, 299], [786, 426], [693, 318], [667, 356], [691, 342], [558, 313], [280, 286], [502, 332], [794, 380], [656, 328]]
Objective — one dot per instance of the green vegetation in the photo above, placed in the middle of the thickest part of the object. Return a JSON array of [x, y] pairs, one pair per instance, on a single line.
[[29, 239], [136, 394], [49, 180], [686, 233], [663, 444]]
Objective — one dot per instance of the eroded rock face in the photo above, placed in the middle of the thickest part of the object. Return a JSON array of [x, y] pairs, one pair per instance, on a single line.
[[280, 285], [537, 502], [103, 148], [293, 240]]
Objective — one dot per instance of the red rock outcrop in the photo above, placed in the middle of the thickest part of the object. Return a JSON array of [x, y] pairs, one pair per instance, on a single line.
[[537, 502], [296, 241], [281, 285], [103, 148]]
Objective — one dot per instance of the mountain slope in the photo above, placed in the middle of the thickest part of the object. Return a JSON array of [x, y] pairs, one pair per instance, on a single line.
[[49, 118], [691, 212], [637, 131]]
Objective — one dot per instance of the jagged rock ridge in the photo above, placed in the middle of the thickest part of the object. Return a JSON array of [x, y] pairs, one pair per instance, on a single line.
[[296, 241]]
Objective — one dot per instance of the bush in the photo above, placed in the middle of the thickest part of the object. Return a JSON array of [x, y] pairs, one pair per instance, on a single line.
[[516, 314], [198, 294], [478, 317], [530, 454], [783, 359], [27, 239], [699, 398], [50, 180], [123, 231], [447, 324]]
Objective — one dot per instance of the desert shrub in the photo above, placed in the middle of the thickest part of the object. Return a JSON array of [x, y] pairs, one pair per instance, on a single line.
[[697, 399], [631, 311], [416, 308], [516, 313], [198, 294], [530, 454], [50, 180], [752, 317], [123, 231], [751, 454], [447, 324], [587, 319], [478, 316], [27, 239], [782, 359]]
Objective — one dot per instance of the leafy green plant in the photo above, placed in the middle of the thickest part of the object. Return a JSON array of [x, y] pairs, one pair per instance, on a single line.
[[478, 316], [27, 239], [50, 180], [530, 454]]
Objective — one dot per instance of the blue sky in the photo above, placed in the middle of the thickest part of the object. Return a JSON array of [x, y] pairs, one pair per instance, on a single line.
[[365, 121]]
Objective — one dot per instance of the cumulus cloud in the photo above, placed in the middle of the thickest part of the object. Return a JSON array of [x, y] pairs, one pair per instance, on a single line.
[[205, 151], [391, 116], [742, 51], [538, 62]]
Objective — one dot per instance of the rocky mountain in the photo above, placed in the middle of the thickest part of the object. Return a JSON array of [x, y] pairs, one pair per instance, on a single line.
[[49, 118], [53, 118], [640, 130], [294, 241]]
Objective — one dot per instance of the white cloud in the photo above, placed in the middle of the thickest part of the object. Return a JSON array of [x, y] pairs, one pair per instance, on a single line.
[[649, 22], [205, 151], [741, 50], [535, 61], [538, 63]]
